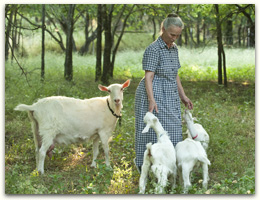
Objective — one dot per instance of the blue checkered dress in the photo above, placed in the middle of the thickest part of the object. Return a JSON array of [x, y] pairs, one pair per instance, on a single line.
[[165, 63]]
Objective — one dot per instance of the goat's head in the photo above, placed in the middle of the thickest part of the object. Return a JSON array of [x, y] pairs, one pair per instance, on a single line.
[[188, 116], [116, 92], [150, 121]]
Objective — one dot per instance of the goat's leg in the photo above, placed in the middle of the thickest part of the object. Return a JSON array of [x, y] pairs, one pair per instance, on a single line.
[[186, 169], [172, 178], [161, 174], [205, 175], [144, 173], [95, 150], [42, 153], [179, 170], [104, 137]]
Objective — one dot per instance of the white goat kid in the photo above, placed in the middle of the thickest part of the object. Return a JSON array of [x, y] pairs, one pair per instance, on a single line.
[[191, 152], [68, 120], [196, 131], [159, 157]]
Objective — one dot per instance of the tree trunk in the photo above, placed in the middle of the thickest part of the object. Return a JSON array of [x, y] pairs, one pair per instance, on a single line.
[[186, 36], [251, 23], [118, 41], [43, 40], [99, 43], [68, 72], [239, 35], [8, 31], [229, 31], [108, 44], [204, 33], [154, 28], [198, 29], [220, 50]]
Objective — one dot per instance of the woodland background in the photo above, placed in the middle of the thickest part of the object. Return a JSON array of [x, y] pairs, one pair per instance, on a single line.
[[69, 49]]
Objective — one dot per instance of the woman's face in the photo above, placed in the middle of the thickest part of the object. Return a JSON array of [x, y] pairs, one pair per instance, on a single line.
[[171, 34]]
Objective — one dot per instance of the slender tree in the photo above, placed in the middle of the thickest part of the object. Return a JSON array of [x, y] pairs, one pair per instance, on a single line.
[[108, 12], [221, 53], [8, 8], [68, 72], [99, 43], [114, 51], [43, 40]]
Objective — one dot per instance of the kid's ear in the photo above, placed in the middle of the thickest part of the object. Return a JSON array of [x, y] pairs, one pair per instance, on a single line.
[[146, 129]]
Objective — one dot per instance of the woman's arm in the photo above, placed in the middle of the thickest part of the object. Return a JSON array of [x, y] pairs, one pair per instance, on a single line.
[[149, 75], [187, 102]]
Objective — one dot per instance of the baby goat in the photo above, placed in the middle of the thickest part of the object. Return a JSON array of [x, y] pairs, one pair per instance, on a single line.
[[196, 131], [68, 120], [191, 152], [159, 157]]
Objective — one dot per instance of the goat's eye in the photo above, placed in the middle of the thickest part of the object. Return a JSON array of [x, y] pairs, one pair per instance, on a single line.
[[108, 91], [122, 89]]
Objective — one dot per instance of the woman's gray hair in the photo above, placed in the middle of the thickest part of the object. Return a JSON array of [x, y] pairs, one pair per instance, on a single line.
[[172, 20]]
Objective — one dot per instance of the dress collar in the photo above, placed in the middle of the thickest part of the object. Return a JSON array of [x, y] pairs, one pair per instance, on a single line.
[[162, 44]]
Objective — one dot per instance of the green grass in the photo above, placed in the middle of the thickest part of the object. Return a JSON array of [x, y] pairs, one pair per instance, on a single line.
[[228, 115]]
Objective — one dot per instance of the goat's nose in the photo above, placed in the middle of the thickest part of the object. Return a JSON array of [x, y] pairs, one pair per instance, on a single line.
[[117, 100]]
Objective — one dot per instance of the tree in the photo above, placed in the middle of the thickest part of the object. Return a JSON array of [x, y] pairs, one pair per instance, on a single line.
[[107, 16], [99, 43], [221, 53], [110, 33], [68, 67], [43, 40], [251, 23], [119, 38], [8, 8], [88, 16]]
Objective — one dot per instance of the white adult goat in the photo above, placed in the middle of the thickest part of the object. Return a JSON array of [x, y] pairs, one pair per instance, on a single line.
[[159, 157], [190, 152], [68, 120]]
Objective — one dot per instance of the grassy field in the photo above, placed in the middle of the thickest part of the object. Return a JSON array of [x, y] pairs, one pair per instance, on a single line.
[[228, 115]]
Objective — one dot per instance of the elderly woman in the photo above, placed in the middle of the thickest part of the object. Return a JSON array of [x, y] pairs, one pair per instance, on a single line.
[[160, 89]]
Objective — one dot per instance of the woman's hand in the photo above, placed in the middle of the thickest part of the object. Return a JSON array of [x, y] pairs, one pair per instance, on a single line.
[[187, 102], [152, 106]]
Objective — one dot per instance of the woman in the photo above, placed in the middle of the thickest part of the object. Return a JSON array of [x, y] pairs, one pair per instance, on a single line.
[[160, 89]]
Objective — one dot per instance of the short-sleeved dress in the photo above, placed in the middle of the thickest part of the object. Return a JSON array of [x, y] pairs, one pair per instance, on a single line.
[[165, 63]]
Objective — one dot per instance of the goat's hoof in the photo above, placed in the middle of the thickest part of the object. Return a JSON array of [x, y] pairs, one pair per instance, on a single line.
[[205, 186], [93, 165]]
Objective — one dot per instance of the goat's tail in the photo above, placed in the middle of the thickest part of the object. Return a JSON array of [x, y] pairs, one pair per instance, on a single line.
[[204, 159], [23, 107], [149, 149]]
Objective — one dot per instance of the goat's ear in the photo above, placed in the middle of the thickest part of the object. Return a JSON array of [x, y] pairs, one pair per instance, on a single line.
[[146, 129], [102, 88], [126, 84], [195, 119]]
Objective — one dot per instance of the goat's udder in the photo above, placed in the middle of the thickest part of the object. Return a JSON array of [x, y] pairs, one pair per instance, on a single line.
[[49, 152]]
